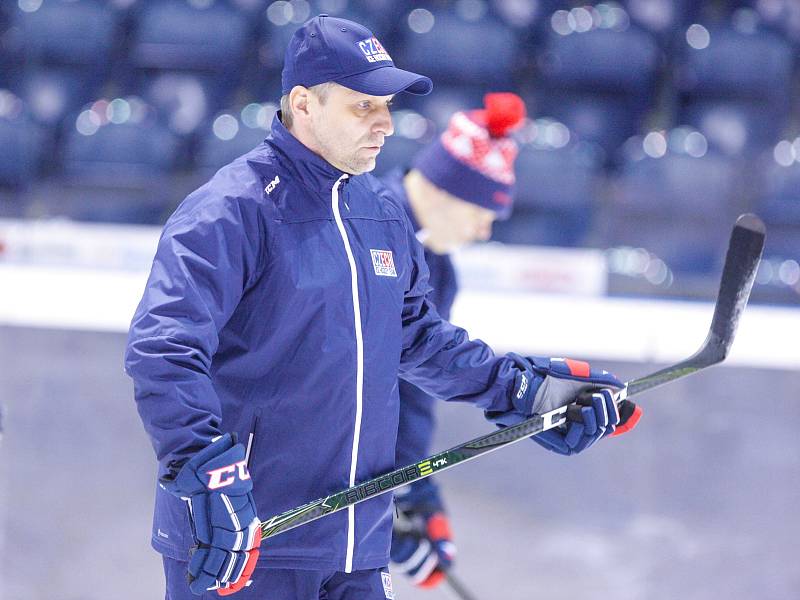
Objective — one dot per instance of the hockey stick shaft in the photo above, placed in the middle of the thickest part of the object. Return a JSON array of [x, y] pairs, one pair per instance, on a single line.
[[457, 587], [741, 263]]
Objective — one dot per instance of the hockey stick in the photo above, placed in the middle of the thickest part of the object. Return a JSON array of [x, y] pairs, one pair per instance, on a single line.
[[457, 587], [738, 274]]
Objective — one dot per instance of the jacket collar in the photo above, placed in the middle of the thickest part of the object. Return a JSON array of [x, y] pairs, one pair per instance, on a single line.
[[313, 170]]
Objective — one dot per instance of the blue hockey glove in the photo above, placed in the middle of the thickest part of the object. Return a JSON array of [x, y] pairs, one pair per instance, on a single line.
[[217, 486], [422, 545], [544, 384]]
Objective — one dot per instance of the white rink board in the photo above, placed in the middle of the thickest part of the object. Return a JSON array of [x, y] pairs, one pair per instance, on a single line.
[[59, 274], [623, 329], [69, 297], [582, 327]]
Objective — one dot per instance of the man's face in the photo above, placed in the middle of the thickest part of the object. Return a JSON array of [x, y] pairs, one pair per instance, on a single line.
[[349, 127], [449, 222]]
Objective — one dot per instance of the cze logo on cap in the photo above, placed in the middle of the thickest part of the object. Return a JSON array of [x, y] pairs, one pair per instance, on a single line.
[[373, 50]]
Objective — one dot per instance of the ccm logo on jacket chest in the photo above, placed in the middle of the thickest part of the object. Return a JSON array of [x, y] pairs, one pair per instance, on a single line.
[[272, 184], [383, 263]]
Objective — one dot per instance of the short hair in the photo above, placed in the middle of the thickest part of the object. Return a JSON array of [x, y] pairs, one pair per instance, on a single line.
[[321, 91]]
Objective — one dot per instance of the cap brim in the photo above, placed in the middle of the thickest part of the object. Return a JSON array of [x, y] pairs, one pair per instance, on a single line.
[[386, 81]]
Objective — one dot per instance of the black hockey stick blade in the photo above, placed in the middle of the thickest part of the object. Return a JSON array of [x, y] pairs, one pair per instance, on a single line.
[[738, 274]]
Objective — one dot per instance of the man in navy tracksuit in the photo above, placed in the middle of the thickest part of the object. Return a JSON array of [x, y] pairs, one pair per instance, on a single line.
[[285, 298]]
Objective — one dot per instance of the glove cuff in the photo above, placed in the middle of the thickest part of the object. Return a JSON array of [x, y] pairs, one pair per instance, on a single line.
[[530, 376]]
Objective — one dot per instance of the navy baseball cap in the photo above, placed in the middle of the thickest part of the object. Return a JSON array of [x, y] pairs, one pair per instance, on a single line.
[[332, 49]]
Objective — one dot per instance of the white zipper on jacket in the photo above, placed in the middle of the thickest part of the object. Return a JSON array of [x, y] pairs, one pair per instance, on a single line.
[[351, 512]]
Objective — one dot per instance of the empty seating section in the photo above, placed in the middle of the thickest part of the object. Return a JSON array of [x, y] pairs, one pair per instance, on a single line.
[[61, 52], [735, 79], [652, 122], [171, 34], [677, 207]]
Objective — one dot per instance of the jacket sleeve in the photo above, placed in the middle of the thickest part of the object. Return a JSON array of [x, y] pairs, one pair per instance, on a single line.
[[439, 357], [208, 254], [417, 408]]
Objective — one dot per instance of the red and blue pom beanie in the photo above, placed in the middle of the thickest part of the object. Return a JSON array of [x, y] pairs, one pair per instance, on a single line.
[[473, 159]]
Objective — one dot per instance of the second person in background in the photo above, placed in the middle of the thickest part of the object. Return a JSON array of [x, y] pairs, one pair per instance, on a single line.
[[454, 191]]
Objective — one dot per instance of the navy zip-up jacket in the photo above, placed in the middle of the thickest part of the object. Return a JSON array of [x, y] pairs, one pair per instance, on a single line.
[[284, 300]]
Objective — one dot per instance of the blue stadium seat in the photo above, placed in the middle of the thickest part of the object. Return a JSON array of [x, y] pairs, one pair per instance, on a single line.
[[11, 56], [76, 32], [272, 46], [174, 34], [780, 202], [183, 99], [734, 126], [53, 92], [662, 17], [251, 8], [556, 195], [116, 171], [530, 16], [459, 52], [379, 16], [677, 207], [781, 16], [21, 143], [779, 206], [678, 185], [604, 119], [602, 60], [737, 65], [130, 150], [231, 134]]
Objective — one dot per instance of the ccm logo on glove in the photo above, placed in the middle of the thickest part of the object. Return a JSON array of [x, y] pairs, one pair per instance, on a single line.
[[523, 387], [217, 475]]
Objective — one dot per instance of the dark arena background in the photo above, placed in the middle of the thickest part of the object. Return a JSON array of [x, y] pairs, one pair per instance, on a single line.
[[651, 125]]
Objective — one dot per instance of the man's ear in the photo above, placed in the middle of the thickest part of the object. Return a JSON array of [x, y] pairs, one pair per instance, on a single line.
[[299, 99]]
